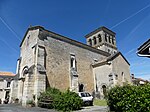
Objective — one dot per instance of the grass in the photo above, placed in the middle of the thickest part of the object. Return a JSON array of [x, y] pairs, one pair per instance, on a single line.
[[99, 102]]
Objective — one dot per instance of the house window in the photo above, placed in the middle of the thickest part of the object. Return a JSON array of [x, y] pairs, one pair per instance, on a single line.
[[94, 40], [8, 84], [73, 61]]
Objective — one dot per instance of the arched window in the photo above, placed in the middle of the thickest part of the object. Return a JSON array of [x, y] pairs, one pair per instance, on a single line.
[[90, 42], [94, 38], [112, 41], [100, 38], [109, 39], [25, 71], [105, 37]]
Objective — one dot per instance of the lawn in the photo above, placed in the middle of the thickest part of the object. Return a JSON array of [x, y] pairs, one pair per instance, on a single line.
[[100, 102]]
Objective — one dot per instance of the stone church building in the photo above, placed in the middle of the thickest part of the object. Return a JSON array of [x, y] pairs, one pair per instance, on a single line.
[[48, 59]]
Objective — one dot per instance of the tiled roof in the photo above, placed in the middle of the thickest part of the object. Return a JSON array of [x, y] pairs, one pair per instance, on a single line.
[[6, 74]]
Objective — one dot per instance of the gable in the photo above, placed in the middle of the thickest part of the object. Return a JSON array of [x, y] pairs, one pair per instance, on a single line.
[[144, 50], [116, 55], [27, 33]]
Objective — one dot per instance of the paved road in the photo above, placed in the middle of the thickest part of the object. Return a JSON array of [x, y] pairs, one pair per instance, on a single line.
[[94, 109], [18, 108]]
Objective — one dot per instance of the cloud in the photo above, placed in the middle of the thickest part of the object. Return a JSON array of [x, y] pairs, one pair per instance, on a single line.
[[134, 14], [7, 44], [15, 34], [131, 51]]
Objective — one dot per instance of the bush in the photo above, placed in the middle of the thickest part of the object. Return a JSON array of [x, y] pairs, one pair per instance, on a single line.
[[46, 98], [68, 101], [53, 98], [129, 98], [31, 102]]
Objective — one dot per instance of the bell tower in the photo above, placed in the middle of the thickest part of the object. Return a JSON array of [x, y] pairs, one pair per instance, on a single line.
[[103, 39]]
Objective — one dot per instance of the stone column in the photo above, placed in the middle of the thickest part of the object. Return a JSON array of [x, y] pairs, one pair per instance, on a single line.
[[26, 91], [40, 72], [39, 85]]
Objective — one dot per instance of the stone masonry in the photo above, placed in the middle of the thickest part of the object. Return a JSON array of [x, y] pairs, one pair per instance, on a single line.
[[48, 59]]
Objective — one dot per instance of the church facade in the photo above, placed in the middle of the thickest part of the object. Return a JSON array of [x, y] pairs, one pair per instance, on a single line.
[[48, 59]]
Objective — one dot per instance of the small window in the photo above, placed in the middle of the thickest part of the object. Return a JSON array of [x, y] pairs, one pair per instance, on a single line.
[[94, 38], [90, 42], [100, 38], [109, 39], [112, 41], [73, 61], [110, 77], [28, 40], [122, 77], [116, 77]]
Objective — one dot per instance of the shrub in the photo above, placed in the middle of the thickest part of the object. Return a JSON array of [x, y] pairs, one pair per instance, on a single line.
[[53, 98], [31, 102], [46, 98], [129, 98], [68, 101]]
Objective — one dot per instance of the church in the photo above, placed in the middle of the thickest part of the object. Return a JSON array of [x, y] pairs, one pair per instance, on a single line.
[[48, 59]]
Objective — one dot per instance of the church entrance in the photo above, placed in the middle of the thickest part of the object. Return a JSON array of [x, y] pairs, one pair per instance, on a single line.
[[81, 87], [104, 90]]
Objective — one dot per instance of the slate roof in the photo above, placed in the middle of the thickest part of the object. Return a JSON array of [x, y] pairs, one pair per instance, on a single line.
[[143, 50], [144, 45]]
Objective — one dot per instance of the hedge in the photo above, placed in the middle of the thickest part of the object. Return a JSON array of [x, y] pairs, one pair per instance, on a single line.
[[129, 98]]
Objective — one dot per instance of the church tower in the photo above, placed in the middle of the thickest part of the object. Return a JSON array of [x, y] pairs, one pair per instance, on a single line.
[[103, 39]]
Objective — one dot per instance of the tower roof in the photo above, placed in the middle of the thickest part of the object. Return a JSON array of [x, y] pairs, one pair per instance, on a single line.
[[103, 28]]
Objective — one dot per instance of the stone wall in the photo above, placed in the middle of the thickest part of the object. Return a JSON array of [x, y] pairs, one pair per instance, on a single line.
[[121, 67], [31, 81], [58, 64]]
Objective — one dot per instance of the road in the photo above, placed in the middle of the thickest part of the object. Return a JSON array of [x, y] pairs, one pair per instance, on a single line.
[[19, 108]]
